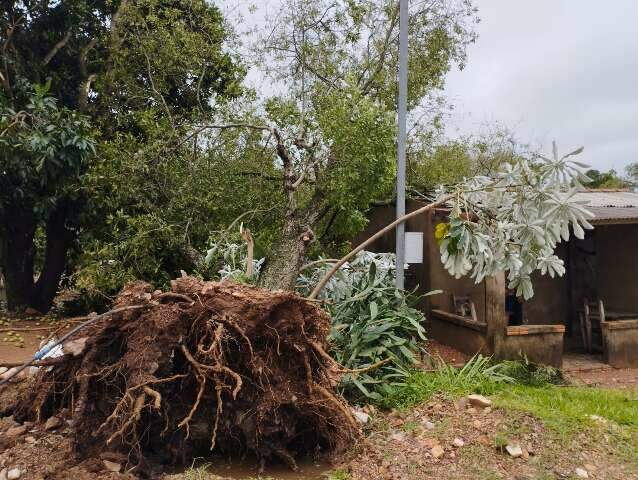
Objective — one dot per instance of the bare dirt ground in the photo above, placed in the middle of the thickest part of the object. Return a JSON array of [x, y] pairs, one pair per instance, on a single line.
[[439, 352], [439, 439], [21, 336], [442, 440], [613, 378]]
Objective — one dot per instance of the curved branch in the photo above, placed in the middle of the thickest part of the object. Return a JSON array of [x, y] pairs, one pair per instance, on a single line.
[[379, 234]]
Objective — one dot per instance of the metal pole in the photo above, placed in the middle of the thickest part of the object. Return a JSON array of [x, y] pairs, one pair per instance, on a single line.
[[403, 97]]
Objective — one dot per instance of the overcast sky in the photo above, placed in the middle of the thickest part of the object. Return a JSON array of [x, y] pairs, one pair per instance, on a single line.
[[554, 69], [546, 69]]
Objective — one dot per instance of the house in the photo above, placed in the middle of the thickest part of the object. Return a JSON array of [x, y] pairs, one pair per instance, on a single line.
[[593, 308]]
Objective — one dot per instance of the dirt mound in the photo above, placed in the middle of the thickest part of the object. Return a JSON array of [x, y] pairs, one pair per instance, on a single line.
[[206, 366]]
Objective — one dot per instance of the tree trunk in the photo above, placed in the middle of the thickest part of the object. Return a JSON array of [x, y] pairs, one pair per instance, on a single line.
[[286, 258], [59, 238], [18, 228]]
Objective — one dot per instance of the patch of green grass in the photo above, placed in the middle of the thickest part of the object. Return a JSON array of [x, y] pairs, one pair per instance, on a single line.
[[338, 475], [568, 411], [478, 375], [490, 475], [410, 426], [198, 473], [501, 441]]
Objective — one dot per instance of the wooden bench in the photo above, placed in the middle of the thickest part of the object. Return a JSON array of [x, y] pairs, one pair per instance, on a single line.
[[592, 318], [464, 307]]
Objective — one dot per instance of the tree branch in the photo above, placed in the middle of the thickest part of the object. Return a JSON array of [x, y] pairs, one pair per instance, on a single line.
[[83, 94], [84, 51], [56, 48], [115, 23], [5, 77], [379, 234], [384, 51]]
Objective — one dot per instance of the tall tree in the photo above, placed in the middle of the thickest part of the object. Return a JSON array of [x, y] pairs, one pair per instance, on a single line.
[[632, 174], [117, 66], [606, 180], [333, 128]]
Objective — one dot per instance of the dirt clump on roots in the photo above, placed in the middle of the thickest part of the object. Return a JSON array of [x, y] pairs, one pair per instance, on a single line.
[[207, 366]]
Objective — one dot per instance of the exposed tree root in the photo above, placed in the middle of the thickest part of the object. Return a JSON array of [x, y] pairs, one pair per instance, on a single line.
[[206, 366]]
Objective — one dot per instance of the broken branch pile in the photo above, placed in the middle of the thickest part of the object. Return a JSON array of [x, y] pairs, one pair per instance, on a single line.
[[206, 366]]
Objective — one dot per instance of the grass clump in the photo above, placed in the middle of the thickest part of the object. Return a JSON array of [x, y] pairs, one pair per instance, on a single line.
[[570, 411], [525, 372], [479, 375], [339, 475], [198, 473]]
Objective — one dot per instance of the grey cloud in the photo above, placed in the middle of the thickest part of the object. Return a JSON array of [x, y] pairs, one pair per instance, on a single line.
[[555, 69]]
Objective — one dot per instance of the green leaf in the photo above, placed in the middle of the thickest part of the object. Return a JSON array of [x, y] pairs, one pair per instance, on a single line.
[[374, 310]]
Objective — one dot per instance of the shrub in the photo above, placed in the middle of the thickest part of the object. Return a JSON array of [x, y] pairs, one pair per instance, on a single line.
[[529, 373], [372, 322], [137, 248], [226, 259]]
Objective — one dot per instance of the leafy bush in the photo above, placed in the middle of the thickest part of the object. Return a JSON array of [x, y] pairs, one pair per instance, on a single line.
[[372, 322], [227, 258], [138, 248]]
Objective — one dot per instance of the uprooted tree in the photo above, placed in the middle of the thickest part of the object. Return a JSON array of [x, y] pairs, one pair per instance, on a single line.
[[206, 366]]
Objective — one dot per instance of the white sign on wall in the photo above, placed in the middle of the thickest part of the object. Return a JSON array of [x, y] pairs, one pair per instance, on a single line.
[[413, 247]]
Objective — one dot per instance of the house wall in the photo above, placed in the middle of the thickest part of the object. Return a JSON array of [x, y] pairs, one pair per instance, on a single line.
[[461, 333], [539, 343], [620, 343], [440, 279], [549, 304], [617, 266], [416, 275]]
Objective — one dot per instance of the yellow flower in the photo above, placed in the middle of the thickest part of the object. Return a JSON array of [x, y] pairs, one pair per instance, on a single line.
[[441, 231]]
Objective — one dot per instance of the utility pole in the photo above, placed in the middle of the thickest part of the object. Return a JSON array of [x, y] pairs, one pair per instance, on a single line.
[[403, 100]]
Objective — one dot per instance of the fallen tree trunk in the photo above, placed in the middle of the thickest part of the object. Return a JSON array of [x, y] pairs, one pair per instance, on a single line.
[[207, 366]]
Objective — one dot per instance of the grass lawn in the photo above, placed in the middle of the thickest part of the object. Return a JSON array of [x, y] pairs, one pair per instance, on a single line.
[[596, 418], [569, 411]]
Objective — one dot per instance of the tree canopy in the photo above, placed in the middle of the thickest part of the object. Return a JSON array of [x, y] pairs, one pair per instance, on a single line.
[[154, 146], [77, 78]]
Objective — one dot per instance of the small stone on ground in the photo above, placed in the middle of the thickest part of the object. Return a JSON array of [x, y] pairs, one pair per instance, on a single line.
[[581, 473], [112, 466], [479, 401], [52, 423], [16, 431], [14, 474], [514, 450], [437, 451], [361, 417]]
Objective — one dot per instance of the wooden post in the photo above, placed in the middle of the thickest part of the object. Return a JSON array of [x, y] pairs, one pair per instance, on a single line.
[[495, 314]]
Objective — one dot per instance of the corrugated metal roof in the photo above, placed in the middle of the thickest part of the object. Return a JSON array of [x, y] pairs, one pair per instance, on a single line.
[[611, 206]]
